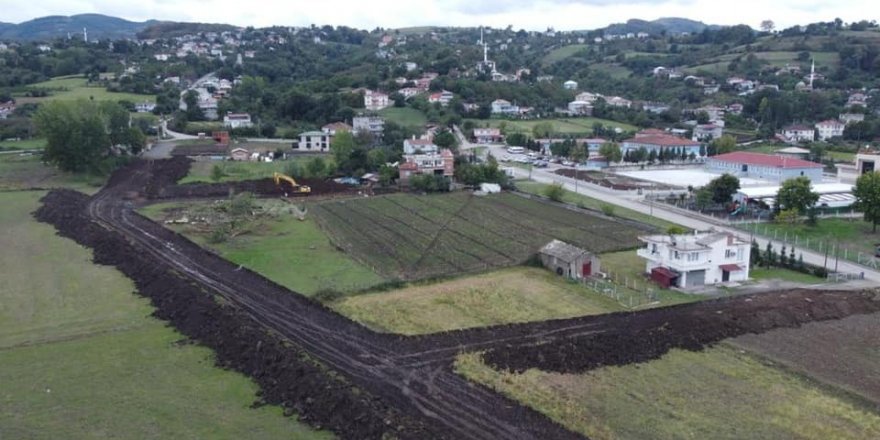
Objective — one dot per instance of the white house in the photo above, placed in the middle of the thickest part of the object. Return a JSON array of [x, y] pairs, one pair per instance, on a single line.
[[570, 85], [580, 108], [706, 132], [798, 133], [617, 101], [144, 107], [237, 120], [444, 98], [375, 100], [503, 106], [693, 260], [830, 129], [866, 161], [314, 140], [419, 146], [587, 97], [849, 118], [374, 125]]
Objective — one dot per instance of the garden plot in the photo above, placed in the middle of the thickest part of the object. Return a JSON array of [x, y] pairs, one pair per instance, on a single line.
[[415, 237]]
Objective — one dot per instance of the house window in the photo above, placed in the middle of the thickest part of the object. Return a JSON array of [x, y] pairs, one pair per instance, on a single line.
[[729, 253], [677, 257], [693, 256]]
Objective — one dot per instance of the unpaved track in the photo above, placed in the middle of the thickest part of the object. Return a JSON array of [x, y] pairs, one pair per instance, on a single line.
[[411, 390]]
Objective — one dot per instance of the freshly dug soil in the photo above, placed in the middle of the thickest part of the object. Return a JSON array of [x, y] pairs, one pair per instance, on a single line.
[[338, 375]]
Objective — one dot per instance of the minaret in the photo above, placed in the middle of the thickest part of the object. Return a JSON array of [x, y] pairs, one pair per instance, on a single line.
[[485, 48], [85, 35], [812, 73]]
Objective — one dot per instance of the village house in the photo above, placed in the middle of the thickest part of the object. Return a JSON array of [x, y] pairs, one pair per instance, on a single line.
[[504, 107], [580, 108], [409, 92], [706, 132], [488, 135], [587, 97], [443, 98], [375, 101], [6, 109], [237, 120], [659, 142], [419, 146], [850, 118], [335, 127], [568, 261], [857, 99], [440, 163], [314, 141], [655, 107], [374, 125], [144, 107], [570, 85], [829, 129], [798, 133], [693, 260], [763, 166], [616, 101]]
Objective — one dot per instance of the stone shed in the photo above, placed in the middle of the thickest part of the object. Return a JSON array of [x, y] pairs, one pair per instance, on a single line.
[[568, 260]]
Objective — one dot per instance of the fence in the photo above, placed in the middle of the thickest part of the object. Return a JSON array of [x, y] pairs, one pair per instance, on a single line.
[[832, 250], [630, 295]]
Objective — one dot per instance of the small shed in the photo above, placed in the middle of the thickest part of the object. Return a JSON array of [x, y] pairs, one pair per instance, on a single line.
[[664, 277], [240, 154], [568, 260]]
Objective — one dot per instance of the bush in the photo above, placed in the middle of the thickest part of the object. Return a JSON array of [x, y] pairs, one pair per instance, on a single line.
[[607, 209], [328, 295], [430, 183], [676, 230], [555, 192]]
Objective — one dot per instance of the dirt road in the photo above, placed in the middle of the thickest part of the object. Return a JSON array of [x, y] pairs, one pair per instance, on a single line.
[[336, 374]]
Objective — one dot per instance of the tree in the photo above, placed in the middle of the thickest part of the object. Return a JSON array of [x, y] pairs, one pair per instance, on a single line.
[[867, 193], [445, 139], [578, 153], [723, 188], [723, 145], [542, 130], [768, 25], [80, 134], [787, 217], [611, 151], [797, 194], [703, 198], [343, 145], [217, 173]]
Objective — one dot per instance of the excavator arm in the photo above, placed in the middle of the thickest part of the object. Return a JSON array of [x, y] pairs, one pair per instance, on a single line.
[[295, 188]]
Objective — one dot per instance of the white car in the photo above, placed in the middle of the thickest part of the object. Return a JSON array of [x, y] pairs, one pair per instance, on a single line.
[[567, 163]]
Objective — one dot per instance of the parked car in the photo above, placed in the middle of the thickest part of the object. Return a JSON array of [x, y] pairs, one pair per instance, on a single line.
[[568, 163]]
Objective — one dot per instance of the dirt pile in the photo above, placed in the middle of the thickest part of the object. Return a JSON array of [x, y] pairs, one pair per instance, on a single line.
[[643, 336], [287, 376]]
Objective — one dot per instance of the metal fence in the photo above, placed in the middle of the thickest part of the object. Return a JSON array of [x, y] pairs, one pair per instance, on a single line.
[[629, 295], [831, 249]]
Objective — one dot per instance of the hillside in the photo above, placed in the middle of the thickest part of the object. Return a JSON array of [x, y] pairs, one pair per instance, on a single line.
[[99, 27], [175, 29], [670, 25]]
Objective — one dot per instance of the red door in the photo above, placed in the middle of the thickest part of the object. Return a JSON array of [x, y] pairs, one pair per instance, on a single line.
[[587, 269]]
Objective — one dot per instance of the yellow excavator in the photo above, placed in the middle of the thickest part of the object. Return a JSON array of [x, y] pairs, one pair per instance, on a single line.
[[294, 188]]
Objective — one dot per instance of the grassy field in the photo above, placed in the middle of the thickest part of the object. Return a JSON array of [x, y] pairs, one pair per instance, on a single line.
[[837, 156], [774, 58], [591, 203], [295, 254], [23, 172], [784, 275], [517, 294], [413, 237], [80, 358], [200, 171], [405, 116], [613, 70], [70, 88], [562, 53], [560, 126], [26, 144], [627, 268], [852, 235], [719, 393]]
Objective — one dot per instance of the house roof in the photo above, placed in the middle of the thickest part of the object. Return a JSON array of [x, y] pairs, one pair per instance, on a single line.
[[793, 150], [337, 126], [419, 142], [313, 133], [663, 140], [830, 122], [797, 127], [563, 250], [768, 160], [730, 267], [667, 273]]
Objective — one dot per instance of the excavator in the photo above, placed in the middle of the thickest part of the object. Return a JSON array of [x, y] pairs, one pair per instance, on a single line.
[[294, 188]]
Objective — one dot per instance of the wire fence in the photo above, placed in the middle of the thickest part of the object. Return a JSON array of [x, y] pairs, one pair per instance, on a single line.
[[833, 250], [628, 292]]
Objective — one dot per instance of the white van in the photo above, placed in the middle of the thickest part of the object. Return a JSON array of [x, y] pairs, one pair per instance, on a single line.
[[516, 150]]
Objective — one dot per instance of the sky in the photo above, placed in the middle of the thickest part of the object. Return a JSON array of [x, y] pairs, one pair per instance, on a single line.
[[521, 14]]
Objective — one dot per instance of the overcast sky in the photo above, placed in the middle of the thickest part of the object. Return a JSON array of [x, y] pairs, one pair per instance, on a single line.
[[525, 14]]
